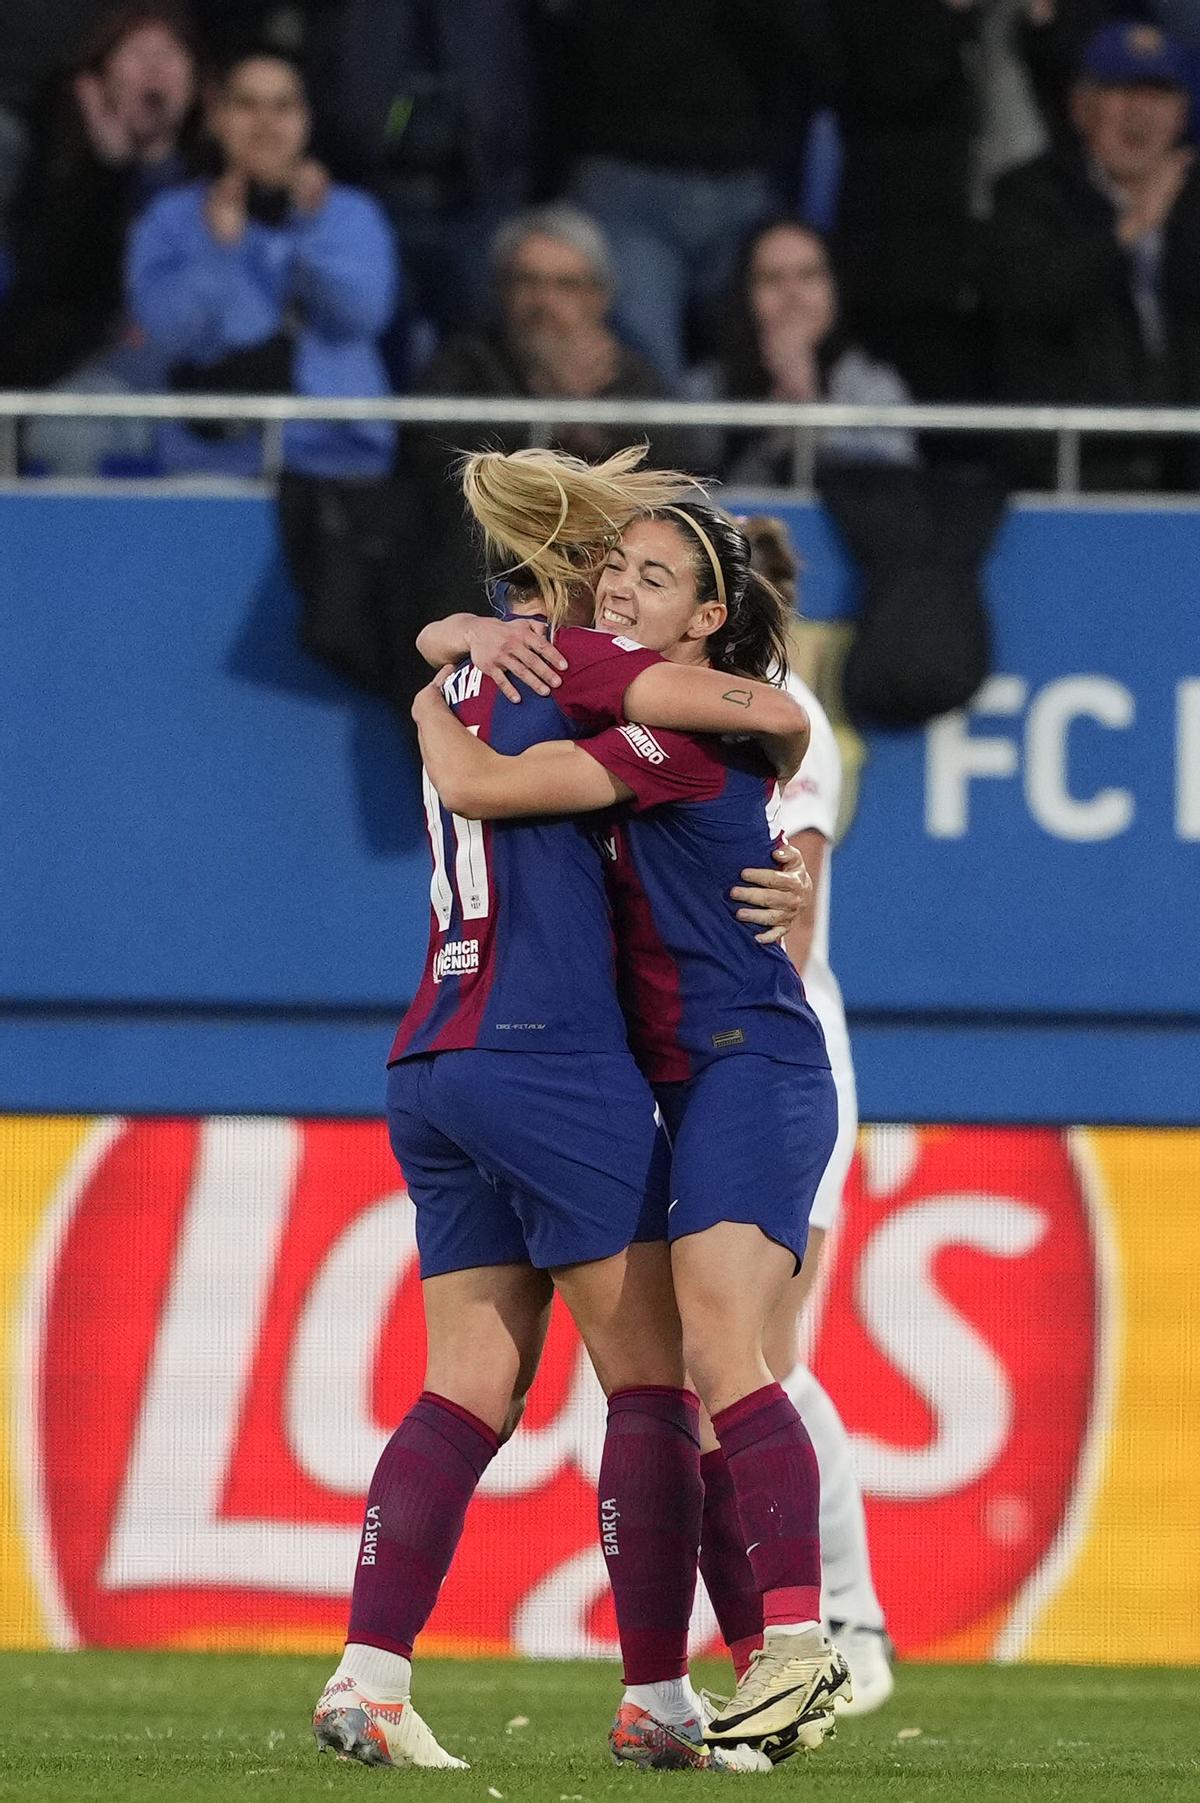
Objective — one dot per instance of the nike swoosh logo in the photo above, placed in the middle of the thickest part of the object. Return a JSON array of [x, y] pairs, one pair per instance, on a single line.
[[750, 1548], [674, 1204], [823, 1687], [725, 1722]]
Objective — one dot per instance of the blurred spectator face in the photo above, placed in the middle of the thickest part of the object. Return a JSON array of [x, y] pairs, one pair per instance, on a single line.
[[148, 80], [548, 288], [261, 121], [791, 284], [1128, 130]]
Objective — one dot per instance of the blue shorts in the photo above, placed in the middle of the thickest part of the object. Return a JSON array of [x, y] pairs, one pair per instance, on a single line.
[[750, 1139], [538, 1158]]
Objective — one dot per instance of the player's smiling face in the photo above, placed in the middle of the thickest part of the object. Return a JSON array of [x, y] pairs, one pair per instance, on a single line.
[[647, 590]]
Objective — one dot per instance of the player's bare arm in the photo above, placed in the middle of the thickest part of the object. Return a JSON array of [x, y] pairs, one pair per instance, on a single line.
[[692, 699], [786, 752], [500, 648], [482, 784], [558, 777]]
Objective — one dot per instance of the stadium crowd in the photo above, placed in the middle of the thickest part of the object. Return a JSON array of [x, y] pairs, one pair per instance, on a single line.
[[866, 200]]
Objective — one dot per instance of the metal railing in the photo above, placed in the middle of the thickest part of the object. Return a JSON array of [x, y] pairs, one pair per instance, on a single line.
[[805, 420]]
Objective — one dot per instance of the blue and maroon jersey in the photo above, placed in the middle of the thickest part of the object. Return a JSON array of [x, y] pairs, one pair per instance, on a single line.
[[520, 951], [694, 982]]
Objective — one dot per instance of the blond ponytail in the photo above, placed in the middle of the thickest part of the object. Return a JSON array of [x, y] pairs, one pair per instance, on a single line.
[[553, 517]]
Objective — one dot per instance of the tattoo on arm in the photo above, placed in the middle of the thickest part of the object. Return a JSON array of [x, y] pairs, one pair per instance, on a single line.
[[739, 697]]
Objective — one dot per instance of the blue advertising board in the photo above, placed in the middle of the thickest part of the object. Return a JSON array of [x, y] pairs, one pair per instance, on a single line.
[[214, 886]]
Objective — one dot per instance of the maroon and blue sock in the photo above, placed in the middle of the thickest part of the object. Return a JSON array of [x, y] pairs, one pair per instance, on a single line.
[[651, 1498], [726, 1570], [773, 1469], [426, 1476]]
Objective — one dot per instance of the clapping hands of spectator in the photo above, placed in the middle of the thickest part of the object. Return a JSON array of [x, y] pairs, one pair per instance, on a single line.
[[226, 208], [227, 199], [310, 185], [578, 362], [106, 119], [789, 356]]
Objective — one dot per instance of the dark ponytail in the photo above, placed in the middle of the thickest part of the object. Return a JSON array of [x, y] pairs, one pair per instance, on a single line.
[[772, 555], [752, 641]]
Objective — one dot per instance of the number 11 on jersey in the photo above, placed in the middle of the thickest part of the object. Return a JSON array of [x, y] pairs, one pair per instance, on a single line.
[[470, 862]]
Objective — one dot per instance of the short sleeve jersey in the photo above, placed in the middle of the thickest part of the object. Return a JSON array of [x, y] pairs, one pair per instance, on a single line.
[[694, 982], [520, 954]]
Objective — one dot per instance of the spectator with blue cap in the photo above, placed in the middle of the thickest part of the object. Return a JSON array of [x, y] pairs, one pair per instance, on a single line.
[[1050, 36], [1092, 272]]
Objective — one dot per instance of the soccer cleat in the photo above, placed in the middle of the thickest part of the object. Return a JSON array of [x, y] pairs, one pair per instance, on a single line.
[[639, 1738], [785, 1700], [376, 1733], [869, 1654]]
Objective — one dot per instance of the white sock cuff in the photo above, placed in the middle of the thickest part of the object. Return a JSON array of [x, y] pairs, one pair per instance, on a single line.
[[382, 1677], [673, 1701]]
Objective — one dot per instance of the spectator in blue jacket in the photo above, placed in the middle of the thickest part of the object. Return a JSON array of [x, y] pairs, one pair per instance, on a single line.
[[270, 279]]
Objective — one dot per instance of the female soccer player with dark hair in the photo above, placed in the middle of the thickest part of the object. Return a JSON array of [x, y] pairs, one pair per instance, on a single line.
[[721, 1027], [528, 1141]]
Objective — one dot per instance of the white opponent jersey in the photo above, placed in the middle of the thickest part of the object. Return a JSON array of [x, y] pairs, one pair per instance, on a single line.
[[810, 802]]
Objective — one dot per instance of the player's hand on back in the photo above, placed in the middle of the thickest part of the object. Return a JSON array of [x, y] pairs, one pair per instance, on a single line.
[[775, 899], [505, 648]]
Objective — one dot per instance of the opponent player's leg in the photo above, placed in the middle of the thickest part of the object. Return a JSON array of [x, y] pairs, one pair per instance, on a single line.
[[485, 1323], [850, 1606], [738, 1226]]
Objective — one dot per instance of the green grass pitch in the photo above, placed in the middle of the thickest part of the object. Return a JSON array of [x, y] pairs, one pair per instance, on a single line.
[[182, 1726]]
